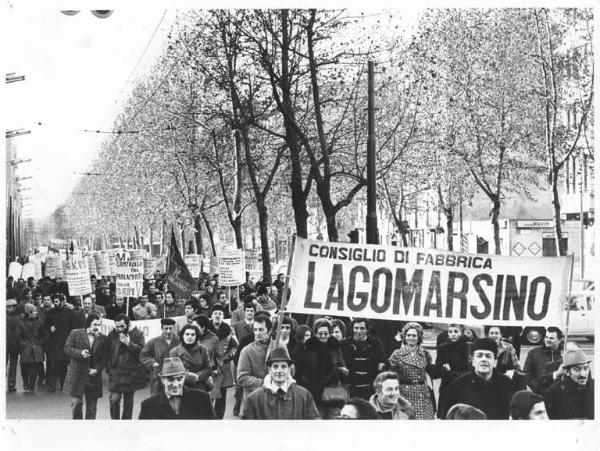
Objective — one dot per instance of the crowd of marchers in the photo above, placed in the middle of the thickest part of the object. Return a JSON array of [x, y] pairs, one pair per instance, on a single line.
[[307, 367]]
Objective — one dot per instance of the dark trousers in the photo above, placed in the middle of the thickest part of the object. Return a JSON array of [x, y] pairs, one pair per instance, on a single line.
[[220, 404], [115, 405], [90, 407], [12, 360], [29, 371], [58, 373]]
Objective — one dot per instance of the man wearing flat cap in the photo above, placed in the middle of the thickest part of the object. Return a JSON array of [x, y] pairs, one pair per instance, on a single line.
[[176, 402], [156, 350], [280, 398], [483, 387], [572, 396]]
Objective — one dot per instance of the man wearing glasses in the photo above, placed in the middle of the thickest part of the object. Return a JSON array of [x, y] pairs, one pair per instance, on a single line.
[[176, 402]]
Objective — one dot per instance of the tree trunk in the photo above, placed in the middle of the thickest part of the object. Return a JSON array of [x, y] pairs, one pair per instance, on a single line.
[[495, 215], [236, 224], [449, 228], [151, 242], [263, 221], [182, 248], [209, 232], [198, 235], [561, 251]]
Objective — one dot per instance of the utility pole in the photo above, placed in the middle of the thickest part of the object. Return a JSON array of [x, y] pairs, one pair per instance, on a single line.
[[372, 232], [581, 229]]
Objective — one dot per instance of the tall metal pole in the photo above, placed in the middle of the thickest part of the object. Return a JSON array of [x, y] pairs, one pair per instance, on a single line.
[[581, 229], [372, 232]]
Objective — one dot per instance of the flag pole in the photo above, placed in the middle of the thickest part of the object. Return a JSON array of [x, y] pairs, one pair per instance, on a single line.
[[572, 257], [284, 297]]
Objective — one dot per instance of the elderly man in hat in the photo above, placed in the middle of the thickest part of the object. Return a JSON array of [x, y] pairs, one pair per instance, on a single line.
[[280, 398], [527, 405], [176, 402], [156, 350], [483, 387], [572, 396]]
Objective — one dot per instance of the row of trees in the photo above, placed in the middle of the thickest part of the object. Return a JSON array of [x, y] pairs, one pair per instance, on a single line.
[[255, 119]]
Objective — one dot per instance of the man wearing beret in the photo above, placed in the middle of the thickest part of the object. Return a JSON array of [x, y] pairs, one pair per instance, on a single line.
[[483, 387], [176, 402], [572, 396], [156, 350], [280, 398]]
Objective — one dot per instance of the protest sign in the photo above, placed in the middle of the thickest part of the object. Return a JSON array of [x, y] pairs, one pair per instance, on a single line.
[[77, 274], [28, 270], [251, 259], [14, 270], [112, 261], [151, 328], [231, 268], [192, 261], [103, 264], [161, 264], [92, 266], [129, 276], [37, 263], [136, 254], [430, 285], [214, 265], [54, 267], [149, 267]]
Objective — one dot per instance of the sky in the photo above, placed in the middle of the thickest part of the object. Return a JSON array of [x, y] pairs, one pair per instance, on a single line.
[[76, 69]]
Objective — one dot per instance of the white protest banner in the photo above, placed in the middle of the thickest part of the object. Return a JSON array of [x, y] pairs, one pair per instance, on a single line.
[[136, 254], [14, 270], [214, 265], [112, 261], [77, 254], [251, 258], [129, 277], [231, 268], [57, 243], [192, 261], [37, 263], [149, 267], [103, 264], [28, 270], [151, 328], [77, 274], [63, 254], [161, 264], [54, 267], [92, 266], [430, 285]]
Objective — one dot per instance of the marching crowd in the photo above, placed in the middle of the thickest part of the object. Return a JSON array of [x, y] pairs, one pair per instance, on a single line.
[[304, 368]]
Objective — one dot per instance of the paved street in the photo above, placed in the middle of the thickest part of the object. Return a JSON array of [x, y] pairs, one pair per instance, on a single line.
[[56, 405]]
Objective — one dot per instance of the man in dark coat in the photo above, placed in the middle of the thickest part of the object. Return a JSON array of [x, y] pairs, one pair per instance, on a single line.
[[87, 349], [542, 363], [156, 350], [176, 402], [125, 371], [59, 323], [31, 335], [483, 388], [572, 397], [280, 398], [12, 343], [365, 358]]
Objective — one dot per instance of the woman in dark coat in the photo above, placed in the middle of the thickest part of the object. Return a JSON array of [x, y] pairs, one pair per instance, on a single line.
[[319, 364], [195, 359], [453, 359], [30, 335]]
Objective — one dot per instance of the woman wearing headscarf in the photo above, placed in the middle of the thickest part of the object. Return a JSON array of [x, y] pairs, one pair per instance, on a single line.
[[412, 363]]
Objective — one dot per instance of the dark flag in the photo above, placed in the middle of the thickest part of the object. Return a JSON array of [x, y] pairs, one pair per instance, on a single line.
[[178, 276]]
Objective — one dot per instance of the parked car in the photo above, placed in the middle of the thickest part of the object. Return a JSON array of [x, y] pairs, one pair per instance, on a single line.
[[581, 314]]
